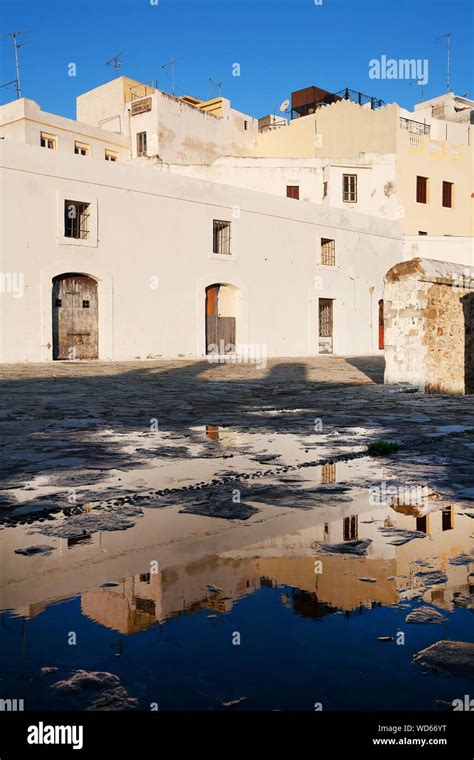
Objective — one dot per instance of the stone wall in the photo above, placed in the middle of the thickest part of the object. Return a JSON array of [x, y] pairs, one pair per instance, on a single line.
[[429, 326]]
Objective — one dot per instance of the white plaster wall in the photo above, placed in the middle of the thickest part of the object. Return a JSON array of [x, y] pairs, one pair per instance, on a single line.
[[376, 186], [376, 194], [23, 121], [260, 175], [456, 250], [156, 227], [180, 133]]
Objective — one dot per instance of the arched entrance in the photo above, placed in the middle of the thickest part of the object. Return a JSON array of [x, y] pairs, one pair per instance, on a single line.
[[381, 325], [221, 312], [75, 317]]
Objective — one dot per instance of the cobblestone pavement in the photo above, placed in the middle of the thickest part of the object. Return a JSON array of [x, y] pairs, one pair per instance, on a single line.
[[88, 418]]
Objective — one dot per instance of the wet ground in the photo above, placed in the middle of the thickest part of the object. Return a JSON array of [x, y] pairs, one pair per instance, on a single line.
[[181, 535]]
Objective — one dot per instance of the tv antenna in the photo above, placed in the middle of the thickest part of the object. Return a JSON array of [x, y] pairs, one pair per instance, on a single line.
[[217, 85], [422, 87], [172, 63], [447, 36], [115, 62], [16, 47]]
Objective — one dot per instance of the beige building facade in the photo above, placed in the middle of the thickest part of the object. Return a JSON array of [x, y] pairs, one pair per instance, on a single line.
[[227, 237]]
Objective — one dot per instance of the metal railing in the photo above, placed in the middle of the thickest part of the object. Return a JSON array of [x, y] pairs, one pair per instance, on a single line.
[[334, 97], [415, 127], [359, 98]]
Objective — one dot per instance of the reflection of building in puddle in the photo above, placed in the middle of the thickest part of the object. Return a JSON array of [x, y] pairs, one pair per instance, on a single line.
[[328, 473], [138, 602], [447, 536], [285, 559], [30, 610], [212, 432], [222, 435]]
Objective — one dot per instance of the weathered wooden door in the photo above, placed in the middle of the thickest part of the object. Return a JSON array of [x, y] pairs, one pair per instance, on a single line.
[[75, 317], [220, 331], [325, 326], [381, 325]]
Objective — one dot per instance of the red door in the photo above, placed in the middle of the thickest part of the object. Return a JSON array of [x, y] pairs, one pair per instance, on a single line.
[[381, 325]]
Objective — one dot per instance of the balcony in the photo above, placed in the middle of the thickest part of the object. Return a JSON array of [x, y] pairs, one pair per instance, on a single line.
[[308, 100], [414, 127]]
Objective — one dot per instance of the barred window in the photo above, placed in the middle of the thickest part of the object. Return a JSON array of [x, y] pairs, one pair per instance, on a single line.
[[328, 252], [221, 237], [328, 473], [76, 219], [350, 529], [349, 188]]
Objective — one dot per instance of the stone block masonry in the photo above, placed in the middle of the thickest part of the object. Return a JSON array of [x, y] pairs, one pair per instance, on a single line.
[[429, 326]]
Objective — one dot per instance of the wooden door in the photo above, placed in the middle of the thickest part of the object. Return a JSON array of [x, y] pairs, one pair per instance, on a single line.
[[220, 331], [325, 326], [75, 317]]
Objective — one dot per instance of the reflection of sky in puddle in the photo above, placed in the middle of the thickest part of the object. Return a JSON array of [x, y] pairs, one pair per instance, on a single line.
[[161, 459], [306, 636]]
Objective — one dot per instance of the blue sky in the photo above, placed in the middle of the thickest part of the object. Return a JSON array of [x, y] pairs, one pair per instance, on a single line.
[[281, 45]]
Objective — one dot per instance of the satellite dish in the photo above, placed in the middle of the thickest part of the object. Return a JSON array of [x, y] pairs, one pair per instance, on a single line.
[[284, 106]]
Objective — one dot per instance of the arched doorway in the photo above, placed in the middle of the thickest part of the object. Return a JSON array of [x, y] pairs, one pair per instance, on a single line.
[[221, 312], [75, 317], [381, 325]]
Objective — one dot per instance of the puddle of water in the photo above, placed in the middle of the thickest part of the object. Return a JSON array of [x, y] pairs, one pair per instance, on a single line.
[[192, 611]]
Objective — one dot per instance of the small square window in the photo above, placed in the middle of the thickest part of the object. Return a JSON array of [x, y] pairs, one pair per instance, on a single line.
[[48, 141], [86, 304], [221, 237], [57, 302], [81, 149], [293, 191]]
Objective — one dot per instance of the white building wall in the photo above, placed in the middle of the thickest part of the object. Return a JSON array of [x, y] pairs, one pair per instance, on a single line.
[[181, 133], [23, 121], [456, 250], [155, 227], [376, 179]]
